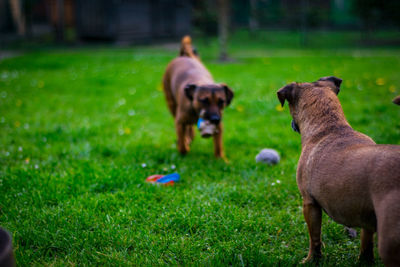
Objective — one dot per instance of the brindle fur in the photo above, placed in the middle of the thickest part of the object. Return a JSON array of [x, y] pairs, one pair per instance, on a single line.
[[343, 172], [187, 85]]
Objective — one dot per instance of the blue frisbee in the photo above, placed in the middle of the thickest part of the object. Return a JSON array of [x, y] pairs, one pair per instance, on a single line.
[[168, 178]]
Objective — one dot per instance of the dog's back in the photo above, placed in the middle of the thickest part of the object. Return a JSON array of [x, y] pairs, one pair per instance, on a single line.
[[357, 162], [184, 69]]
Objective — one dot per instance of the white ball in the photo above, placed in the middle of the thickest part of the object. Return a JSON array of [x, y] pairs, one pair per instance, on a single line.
[[269, 156]]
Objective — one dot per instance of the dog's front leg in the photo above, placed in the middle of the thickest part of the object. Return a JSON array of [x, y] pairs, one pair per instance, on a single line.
[[218, 147], [190, 133], [367, 246], [183, 148], [313, 215]]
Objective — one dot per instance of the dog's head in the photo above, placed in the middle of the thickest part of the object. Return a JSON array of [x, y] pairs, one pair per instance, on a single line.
[[209, 100], [396, 100], [292, 93]]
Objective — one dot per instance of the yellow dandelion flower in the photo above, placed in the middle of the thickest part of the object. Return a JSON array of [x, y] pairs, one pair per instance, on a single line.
[[296, 67], [240, 108], [41, 84], [279, 231], [380, 81], [279, 108]]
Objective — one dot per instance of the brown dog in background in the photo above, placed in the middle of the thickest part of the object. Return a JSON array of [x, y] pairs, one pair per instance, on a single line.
[[396, 100], [343, 172], [190, 91]]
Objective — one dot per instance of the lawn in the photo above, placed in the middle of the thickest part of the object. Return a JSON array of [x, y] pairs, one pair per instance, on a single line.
[[81, 129]]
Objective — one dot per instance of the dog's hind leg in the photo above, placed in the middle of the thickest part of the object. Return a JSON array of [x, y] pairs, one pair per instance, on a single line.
[[313, 215], [367, 246], [388, 218]]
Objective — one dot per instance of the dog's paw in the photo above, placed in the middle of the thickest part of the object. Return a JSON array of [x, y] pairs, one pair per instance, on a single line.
[[306, 260], [222, 156], [312, 258], [366, 258], [313, 261], [225, 159]]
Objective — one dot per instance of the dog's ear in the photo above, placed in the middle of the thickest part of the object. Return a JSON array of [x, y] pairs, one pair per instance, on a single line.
[[228, 92], [286, 93], [189, 90], [336, 81], [397, 100]]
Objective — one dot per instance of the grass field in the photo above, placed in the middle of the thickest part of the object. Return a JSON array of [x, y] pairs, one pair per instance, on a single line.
[[80, 130]]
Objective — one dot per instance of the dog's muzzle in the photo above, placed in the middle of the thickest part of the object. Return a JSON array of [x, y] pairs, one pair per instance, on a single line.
[[215, 119], [295, 127]]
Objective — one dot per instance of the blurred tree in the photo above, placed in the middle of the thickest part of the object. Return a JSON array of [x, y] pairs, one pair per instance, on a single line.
[[304, 22], [302, 16], [21, 11], [205, 18], [59, 26], [223, 28], [341, 14], [253, 18], [393, 7], [377, 13], [27, 9], [369, 12], [18, 16]]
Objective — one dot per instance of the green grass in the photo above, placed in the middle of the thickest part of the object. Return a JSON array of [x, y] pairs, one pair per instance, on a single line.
[[76, 127]]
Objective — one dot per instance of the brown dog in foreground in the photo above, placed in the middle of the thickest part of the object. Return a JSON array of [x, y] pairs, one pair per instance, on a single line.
[[343, 172], [192, 93]]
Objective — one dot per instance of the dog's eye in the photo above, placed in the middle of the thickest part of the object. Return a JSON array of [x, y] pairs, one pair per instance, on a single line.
[[221, 103], [204, 101]]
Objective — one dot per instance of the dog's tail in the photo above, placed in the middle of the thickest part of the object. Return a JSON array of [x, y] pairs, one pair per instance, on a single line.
[[397, 100], [187, 49]]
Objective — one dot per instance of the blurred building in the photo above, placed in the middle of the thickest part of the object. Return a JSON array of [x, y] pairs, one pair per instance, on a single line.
[[143, 21], [132, 20], [125, 21], [289, 14]]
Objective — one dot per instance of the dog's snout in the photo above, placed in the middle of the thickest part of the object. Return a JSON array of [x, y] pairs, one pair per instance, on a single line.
[[215, 119]]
